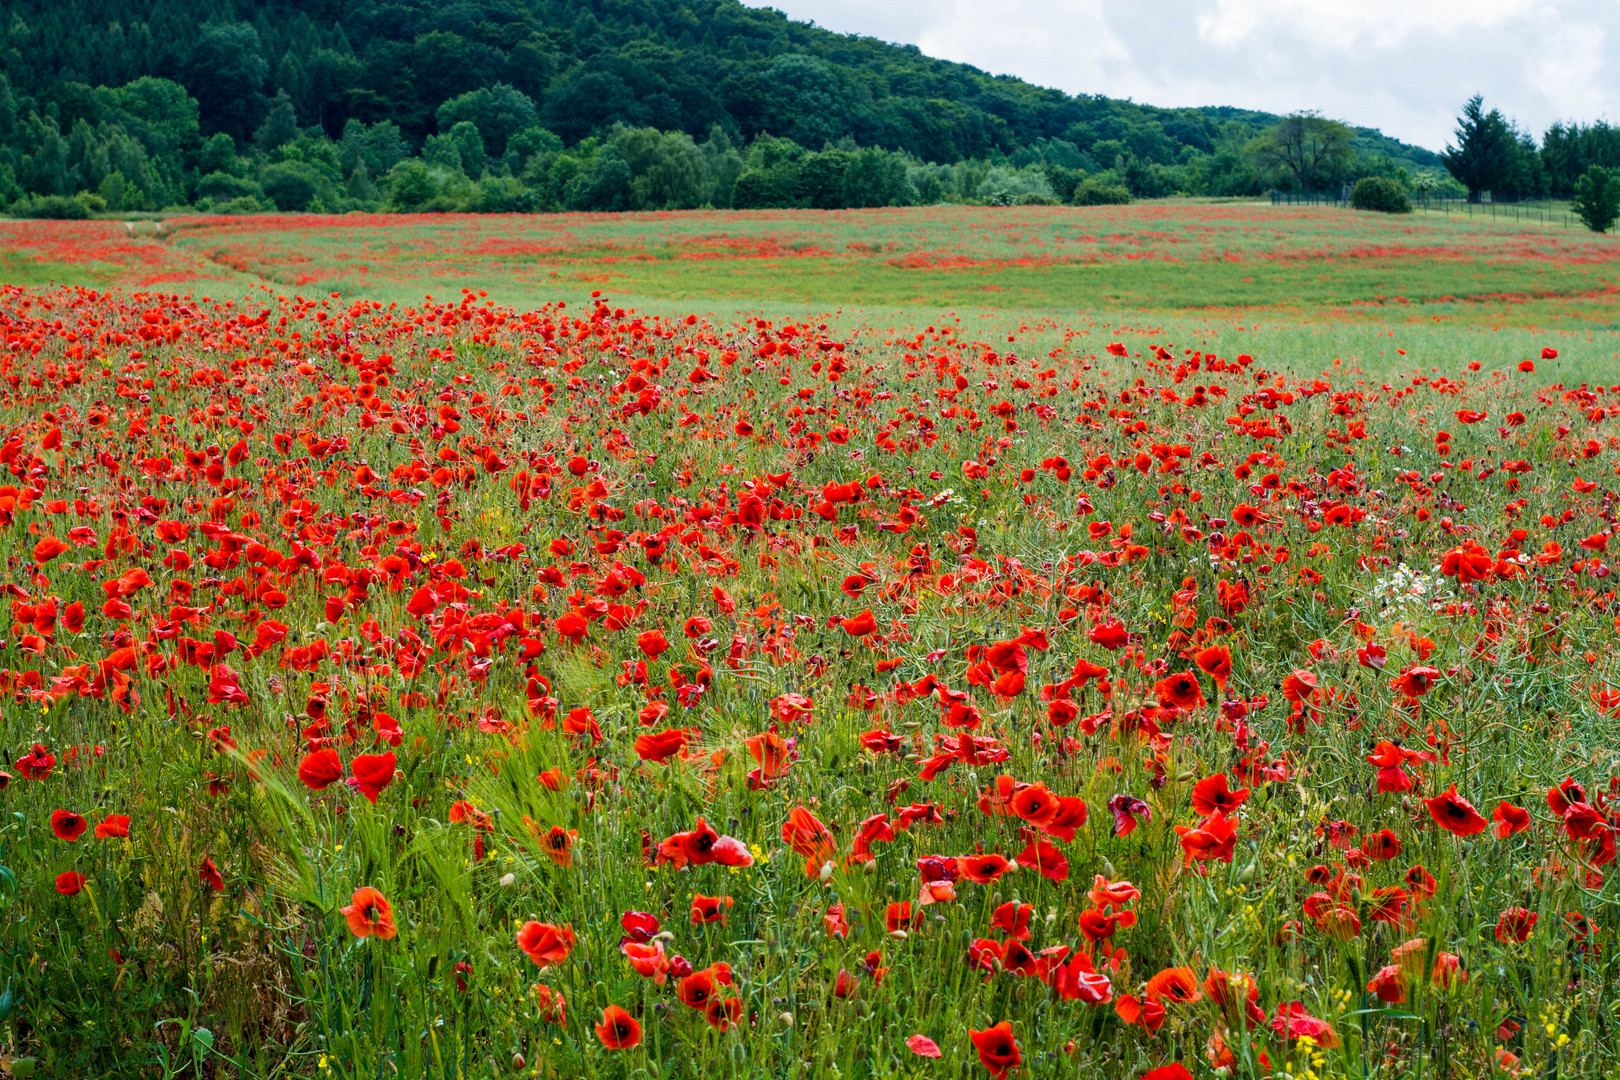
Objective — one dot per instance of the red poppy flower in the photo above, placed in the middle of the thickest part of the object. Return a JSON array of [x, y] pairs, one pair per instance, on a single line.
[[209, 875], [1107, 894], [1173, 1071], [659, 746], [1509, 820], [545, 944], [369, 913], [1012, 919], [618, 1029], [372, 773], [1455, 814], [1216, 662], [1179, 691], [1111, 635], [1389, 985], [708, 909], [808, 837], [721, 1012], [1177, 984], [112, 827], [1078, 979], [860, 625], [652, 643], [1515, 924], [68, 883], [558, 844], [1414, 681], [1212, 793], [696, 989], [1381, 846], [998, 1051], [983, 869], [923, 1046], [320, 769], [67, 825], [37, 763], [1293, 1022], [1211, 838]]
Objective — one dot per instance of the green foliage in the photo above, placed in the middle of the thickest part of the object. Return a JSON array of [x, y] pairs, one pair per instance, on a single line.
[[280, 126], [469, 146], [1490, 155], [1381, 194], [291, 185], [1597, 199], [60, 207], [497, 112], [1306, 151], [877, 178], [1094, 192], [223, 186]]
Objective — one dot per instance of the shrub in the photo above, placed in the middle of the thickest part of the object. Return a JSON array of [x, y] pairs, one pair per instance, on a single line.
[[1597, 199], [59, 207], [291, 185], [1094, 192], [223, 187], [247, 204], [1380, 194], [1035, 198]]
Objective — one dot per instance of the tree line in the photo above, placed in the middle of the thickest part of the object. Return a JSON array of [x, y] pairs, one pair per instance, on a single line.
[[561, 104], [545, 105]]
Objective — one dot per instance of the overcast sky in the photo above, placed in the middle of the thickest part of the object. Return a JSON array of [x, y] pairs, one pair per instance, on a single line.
[[1405, 66]]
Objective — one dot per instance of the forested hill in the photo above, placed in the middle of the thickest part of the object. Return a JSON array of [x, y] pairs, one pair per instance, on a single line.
[[685, 65]]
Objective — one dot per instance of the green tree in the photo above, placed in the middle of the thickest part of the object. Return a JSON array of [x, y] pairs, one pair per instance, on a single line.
[[291, 185], [877, 178], [604, 185], [469, 147], [821, 179], [669, 169], [498, 112], [411, 186], [159, 113], [1597, 199], [1309, 149], [226, 73], [1487, 154], [280, 126]]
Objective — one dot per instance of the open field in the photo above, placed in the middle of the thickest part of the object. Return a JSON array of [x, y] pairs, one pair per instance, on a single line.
[[835, 668]]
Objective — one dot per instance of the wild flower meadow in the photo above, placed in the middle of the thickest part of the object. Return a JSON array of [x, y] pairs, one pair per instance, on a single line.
[[451, 689]]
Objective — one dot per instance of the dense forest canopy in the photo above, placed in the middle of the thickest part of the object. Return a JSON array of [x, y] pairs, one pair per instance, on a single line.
[[586, 104]]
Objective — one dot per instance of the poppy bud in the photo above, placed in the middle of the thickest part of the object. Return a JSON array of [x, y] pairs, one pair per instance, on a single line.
[[506, 882], [827, 869], [518, 1063], [787, 1019], [1185, 775], [871, 868], [1107, 869]]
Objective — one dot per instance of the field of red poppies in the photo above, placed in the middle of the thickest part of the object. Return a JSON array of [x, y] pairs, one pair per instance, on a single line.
[[449, 689]]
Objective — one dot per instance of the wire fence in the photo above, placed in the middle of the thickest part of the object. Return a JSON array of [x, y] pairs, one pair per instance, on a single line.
[[1523, 211]]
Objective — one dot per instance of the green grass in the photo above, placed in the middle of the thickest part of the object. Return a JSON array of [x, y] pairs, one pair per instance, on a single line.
[[344, 520]]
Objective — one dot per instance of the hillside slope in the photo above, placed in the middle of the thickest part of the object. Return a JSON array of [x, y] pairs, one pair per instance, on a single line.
[[688, 65]]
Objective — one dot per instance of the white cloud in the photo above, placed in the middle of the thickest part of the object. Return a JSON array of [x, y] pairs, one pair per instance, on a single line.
[[1567, 68], [1007, 35], [1354, 24], [1404, 66]]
